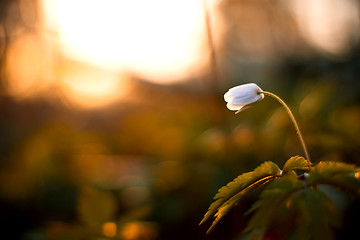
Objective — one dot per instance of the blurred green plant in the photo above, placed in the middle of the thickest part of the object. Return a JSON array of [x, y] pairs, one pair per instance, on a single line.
[[294, 189]]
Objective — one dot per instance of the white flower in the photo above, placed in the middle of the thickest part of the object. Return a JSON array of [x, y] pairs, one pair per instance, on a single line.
[[242, 97]]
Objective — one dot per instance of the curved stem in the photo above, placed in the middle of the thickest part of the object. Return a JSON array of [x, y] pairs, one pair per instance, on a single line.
[[294, 122]]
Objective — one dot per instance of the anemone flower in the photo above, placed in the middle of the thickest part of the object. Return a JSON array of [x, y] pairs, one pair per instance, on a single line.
[[242, 97]]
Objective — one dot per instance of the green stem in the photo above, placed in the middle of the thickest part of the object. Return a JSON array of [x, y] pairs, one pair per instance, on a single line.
[[294, 122]]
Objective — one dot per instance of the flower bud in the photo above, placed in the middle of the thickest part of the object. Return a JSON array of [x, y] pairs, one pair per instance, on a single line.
[[242, 97]]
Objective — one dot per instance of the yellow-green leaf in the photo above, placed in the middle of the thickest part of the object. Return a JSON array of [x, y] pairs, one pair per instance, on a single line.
[[327, 170], [296, 163], [270, 200], [225, 208], [230, 194]]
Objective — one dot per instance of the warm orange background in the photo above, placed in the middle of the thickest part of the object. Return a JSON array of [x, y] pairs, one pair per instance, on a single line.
[[112, 118]]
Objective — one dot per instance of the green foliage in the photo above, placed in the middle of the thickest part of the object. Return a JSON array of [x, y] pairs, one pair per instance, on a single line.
[[296, 163], [315, 214], [270, 200], [231, 194], [325, 171], [286, 195]]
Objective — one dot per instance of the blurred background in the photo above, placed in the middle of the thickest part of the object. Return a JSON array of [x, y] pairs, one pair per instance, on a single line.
[[112, 118]]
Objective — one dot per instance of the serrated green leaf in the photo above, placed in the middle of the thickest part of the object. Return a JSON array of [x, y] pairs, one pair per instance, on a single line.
[[289, 181], [296, 163], [347, 182], [316, 213], [242, 181], [230, 194], [326, 170], [269, 202], [225, 208]]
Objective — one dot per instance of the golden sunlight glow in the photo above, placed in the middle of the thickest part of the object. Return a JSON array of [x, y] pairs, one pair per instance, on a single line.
[[22, 75], [90, 86], [159, 39]]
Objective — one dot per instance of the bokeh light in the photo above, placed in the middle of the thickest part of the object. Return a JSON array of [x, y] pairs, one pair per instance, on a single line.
[[330, 25]]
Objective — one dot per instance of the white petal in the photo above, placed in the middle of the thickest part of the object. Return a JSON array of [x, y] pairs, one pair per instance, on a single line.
[[229, 96], [242, 97], [244, 100], [244, 94], [246, 88], [234, 107]]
